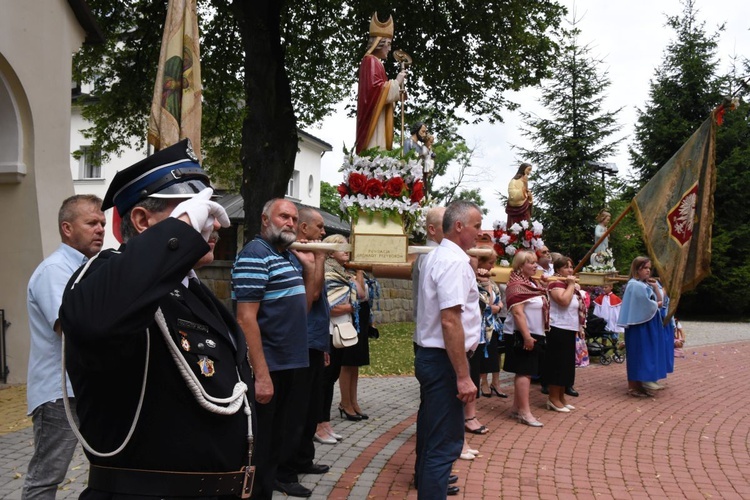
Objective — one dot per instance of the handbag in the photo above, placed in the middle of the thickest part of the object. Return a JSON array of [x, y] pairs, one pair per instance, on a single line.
[[343, 333]]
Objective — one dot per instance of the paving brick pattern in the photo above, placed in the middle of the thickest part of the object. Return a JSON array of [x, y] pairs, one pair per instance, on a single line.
[[691, 441]]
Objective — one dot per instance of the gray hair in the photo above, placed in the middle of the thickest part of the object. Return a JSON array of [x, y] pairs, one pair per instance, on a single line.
[[155, 205], [306, 214], [458, 211]]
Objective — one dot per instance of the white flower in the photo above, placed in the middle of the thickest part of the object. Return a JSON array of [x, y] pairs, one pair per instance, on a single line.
[[504, 263], [525, 224], [515, 228], [510, 250], [504, 239], [499, 225], [537, 228]]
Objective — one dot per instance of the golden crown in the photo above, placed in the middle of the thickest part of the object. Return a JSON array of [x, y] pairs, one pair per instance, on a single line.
[[377, 28]]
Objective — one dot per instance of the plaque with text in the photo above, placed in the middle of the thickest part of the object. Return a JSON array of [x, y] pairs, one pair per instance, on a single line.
[[379, 248]]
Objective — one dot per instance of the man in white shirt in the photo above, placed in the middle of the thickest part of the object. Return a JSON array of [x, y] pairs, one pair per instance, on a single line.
[[447, 329], [81, 224], [544, 261]]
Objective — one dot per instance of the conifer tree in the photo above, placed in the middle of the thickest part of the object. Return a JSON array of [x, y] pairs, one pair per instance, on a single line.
[[568, 191], [683, 92]]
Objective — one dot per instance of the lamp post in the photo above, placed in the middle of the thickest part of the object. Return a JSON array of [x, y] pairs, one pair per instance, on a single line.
[[605, 169]]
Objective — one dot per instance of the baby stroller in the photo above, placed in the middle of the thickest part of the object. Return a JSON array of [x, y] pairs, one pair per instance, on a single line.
[[603, 343]]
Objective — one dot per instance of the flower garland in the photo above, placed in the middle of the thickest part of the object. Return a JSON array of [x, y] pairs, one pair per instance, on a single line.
[[602, 262], [524, 235], [382, 184]]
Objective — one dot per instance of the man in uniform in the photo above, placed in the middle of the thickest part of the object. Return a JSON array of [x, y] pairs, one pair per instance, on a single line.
[[274, 289], [447, 329], [158, 365], [81, 224]]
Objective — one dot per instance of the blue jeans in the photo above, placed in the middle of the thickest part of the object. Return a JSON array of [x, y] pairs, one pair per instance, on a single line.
[[54, 444], [440, 422]]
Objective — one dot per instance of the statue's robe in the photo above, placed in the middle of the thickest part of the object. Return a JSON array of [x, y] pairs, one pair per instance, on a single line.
[[375, 106]]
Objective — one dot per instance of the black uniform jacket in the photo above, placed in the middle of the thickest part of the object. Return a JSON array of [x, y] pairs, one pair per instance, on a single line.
[[105, 318]]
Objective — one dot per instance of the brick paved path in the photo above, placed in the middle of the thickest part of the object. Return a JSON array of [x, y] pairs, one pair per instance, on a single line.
[[691, 441]]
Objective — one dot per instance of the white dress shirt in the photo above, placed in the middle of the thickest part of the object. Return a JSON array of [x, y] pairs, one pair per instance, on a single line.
[[446, 280]]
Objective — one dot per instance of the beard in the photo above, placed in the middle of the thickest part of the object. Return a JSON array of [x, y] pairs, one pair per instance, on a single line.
[[281, 237]]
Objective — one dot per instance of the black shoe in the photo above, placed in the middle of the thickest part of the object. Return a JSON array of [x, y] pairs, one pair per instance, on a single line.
[[348, 416], [363, 416], [452, 479], [453, 490], [571, 392], [545, 390], [315, 469], [292, 489]]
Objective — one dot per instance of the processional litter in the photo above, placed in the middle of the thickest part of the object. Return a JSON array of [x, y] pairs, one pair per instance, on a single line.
[[382, 192]]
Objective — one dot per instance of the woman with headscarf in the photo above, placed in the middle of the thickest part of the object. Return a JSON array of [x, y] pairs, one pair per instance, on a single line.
[[567, 317], [524, 333], [342, 295]]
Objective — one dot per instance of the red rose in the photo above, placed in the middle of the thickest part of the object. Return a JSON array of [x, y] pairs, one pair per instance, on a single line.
[[357, 182], [499, 249], [529, 235], [343, 189], [417, 192], [513, 238], [394, 187], [373, 188], [497, 234]]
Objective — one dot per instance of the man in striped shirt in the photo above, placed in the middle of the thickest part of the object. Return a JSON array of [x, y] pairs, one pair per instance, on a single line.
[[269, 284]]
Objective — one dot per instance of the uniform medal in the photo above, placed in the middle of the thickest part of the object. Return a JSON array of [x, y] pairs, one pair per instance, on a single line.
[[184, 341], [206, 366]]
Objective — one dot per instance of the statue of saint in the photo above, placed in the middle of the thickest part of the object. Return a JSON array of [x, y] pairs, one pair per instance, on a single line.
[[418, 135], [376, 93], [602, 222], [520, 201]]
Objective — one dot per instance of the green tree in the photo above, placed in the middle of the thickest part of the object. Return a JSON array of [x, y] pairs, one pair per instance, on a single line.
[[273, 66], [725, 291], [685, 89], [682, 93], [567, 191], [330, 200]]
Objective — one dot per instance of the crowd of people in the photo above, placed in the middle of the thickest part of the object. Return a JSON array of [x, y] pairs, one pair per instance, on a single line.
[[157, 363]]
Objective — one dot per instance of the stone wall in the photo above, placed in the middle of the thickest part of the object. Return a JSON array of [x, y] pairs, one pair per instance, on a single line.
[[395, 299], [218, 277]]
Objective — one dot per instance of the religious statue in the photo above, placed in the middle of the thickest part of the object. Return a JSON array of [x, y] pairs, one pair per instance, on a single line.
[[601, 254], [376, 93], [418, 135], [520, 201]]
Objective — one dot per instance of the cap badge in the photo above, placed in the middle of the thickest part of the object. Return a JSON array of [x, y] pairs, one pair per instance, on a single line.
[[210, 343], [185, 344], [189, 151]]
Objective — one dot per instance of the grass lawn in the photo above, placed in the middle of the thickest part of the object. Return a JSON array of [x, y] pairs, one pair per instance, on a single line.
[[392, 353]]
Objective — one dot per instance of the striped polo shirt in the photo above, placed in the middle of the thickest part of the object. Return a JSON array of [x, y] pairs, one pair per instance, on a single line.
[[261, 274]]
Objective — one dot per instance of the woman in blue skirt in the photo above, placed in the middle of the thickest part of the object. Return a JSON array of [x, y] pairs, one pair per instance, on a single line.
[[644, 333]]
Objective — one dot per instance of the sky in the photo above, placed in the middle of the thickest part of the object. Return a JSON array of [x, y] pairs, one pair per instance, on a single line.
[[628, 36]]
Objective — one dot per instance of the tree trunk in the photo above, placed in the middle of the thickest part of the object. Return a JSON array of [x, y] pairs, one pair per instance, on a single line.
[[269, 131]]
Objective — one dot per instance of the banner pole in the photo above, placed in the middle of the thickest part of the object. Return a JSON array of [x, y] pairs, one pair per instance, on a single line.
[[606, 233]]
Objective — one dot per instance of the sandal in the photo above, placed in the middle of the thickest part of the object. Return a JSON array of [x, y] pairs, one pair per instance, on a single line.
[[639, 394], [481, 430]]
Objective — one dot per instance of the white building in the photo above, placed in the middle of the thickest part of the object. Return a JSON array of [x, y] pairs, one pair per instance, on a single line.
[[90, 176], [37, 41]]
